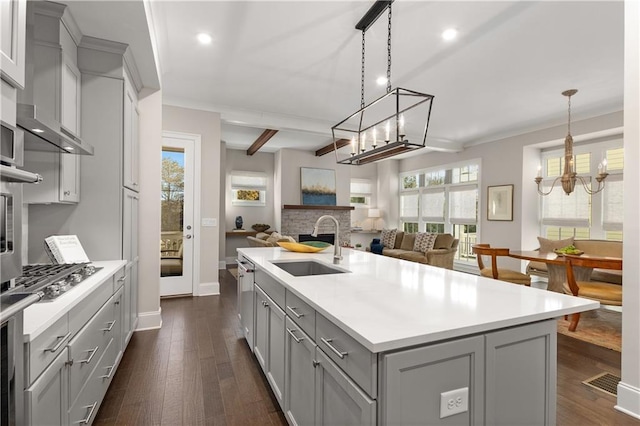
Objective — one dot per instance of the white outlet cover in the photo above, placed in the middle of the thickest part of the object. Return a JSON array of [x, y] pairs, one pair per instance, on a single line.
[[454, 402], [209, 221]]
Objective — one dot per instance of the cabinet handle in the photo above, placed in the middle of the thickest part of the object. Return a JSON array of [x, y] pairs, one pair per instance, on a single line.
[[265, 304], [315, 363], [290, 331], [293, 310], [111, 324], [117, 302], [93, 352], [240, 276], [61, 340], [91, 408], [67, 192], [121, 279], [327, 342], [108, 376]]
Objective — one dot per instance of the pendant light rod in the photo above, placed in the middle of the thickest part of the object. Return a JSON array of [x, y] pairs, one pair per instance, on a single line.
[[372, 14]]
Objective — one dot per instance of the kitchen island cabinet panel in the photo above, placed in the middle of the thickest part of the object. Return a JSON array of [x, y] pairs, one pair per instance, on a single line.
[[413, 381], [521, 366], [300, 373], [338, 400]]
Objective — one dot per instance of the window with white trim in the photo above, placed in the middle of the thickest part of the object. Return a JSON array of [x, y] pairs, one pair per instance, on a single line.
[[248, 188], [361, 191], [442, 199], [579, 214]]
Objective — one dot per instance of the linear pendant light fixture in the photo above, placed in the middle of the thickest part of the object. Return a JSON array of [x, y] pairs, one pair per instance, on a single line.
[[379, 130], [569, 175]]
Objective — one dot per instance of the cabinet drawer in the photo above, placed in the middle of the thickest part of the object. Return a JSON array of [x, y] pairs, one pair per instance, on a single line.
[[273, 288], [83, 312], [119, 278], [88, 346], [84, 410], [301, 313], [45, 348], [351, 356]]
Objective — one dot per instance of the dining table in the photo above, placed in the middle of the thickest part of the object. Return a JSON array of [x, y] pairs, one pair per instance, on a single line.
[[556, 267]]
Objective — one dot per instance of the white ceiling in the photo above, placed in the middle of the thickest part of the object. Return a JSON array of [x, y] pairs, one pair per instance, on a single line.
[[295, 65]]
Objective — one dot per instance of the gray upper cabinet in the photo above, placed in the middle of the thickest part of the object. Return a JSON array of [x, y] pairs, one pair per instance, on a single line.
[[130, 139], [13, 15], [56, 90]]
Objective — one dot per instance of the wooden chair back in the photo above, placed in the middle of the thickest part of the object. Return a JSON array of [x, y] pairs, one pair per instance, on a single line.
[[486, 250]]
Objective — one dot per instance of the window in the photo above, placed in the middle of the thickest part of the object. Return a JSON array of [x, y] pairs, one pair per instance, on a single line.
[[443, 199], [248, 188], [361, 190], [579, 214]]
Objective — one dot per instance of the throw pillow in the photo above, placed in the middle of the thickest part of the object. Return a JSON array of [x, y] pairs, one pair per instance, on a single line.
[[547, 246], [424, 242], [443, 241], [388, 237], [274, 237]]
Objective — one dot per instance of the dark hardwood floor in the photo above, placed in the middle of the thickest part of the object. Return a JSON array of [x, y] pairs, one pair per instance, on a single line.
[[198, 370]]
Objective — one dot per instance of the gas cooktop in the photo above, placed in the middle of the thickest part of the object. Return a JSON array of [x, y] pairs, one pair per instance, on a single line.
[[53, 280]]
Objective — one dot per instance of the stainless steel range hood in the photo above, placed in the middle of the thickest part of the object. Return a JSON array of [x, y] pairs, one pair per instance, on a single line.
[[43, 133]]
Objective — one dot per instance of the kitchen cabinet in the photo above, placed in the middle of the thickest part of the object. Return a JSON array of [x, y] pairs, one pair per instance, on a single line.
[[130, 225], [270, 339], [244, 301], [338, 400], [131, 149], [13, 25], [46, 399], [71, 362], [57, 89], [299, 396], [130, 301]]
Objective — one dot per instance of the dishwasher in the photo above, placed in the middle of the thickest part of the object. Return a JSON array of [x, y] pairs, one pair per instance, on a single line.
[[245, 298]]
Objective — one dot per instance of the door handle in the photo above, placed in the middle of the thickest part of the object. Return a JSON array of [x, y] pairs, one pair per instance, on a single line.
[[188, 236]]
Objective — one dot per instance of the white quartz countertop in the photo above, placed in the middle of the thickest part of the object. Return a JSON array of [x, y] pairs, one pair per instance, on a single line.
[[387, 303], [39, 316]]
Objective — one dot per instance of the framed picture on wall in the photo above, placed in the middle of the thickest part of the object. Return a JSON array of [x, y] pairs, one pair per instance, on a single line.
[[318, 186], [500, 202]]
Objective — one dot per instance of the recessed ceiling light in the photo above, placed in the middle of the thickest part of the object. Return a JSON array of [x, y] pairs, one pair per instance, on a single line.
[[449, 34], [204, 38], [381, 80]]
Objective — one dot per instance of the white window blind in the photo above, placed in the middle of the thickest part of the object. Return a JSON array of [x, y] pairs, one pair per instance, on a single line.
[[463, 204], [612, 203], [433, 205], [251, 180], [560, 209], [409, 205], [361, 186]]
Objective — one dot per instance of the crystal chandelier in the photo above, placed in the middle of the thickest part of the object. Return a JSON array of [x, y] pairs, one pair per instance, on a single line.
[[569, 176], [379, 130]]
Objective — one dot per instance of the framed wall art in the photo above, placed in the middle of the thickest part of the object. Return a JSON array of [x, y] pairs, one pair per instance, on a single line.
[[318, 186], [500, 202]]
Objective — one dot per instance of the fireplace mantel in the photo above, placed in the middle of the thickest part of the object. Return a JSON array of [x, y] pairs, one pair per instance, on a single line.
[[314, 207]]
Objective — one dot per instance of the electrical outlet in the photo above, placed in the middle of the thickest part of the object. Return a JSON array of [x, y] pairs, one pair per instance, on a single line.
[[454, 402]]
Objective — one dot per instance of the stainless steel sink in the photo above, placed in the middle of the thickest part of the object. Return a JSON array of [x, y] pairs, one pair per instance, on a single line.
[[304, 268]]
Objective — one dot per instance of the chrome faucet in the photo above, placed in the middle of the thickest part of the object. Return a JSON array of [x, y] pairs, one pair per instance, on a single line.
[[337, 256]]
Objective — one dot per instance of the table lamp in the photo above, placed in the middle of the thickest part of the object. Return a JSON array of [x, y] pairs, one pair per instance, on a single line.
[[374, 214]]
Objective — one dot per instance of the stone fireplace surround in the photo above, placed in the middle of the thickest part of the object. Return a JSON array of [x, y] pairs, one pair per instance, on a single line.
[[298, 220]]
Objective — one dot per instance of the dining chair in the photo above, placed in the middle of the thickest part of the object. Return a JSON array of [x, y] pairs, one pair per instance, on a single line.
[[603, 292], [501, 274]]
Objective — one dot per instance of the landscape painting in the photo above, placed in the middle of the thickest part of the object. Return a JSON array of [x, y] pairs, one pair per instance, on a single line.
[[318, 186]]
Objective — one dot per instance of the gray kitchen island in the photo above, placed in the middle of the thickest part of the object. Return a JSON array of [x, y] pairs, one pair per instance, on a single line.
[[377, 340]]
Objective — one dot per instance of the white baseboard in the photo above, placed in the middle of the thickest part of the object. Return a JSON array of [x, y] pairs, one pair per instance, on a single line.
[[208, 289], [628, 400], [222, 264], [149, 320]]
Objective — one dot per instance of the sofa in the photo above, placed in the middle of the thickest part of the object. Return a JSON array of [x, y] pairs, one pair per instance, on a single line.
[[268, 240], [442, 254], [600, 248]]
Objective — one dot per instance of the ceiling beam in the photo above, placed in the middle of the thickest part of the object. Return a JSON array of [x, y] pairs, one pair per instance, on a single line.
[[262, 139], [329, 148]]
